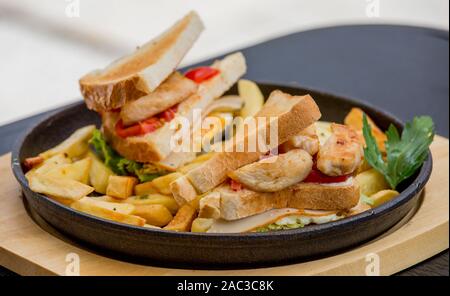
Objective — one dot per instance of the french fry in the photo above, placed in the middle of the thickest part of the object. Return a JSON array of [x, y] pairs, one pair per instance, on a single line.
[[32, 162], [99, 174], [73, 146], [157, 215], [252, 96], [62, 188], [161, 184], [183, 219], [49, 164], [383, 196], [78, 171], [119, 207], [95, 210], [154, 199], [108, 198], [151, 226], [371, 181], [355, 119], [120, 186], [201, 224], [145, 188]]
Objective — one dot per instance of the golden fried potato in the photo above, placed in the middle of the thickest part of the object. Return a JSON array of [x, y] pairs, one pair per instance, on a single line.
[[62, 188], [88, 207], [49, 164], [161, 184], [154, 199], [252, 96], [120, 186], [183, 219], [371, 182], [355, 119], [73, 146], [99, 174], [119, 207], [145, 188], [157, 215], [201, 224], [78, 171], [383, 196]]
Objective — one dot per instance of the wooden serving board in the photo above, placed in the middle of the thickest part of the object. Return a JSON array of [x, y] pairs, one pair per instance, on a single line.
[[29, 250]]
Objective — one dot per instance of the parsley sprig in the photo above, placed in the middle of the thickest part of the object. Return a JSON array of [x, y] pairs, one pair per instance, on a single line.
[[405, 153]]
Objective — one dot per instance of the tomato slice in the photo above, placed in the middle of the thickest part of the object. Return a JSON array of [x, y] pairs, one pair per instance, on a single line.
[[169, 114], [129, 131], [201, 74], [235, 185], [316, 176]]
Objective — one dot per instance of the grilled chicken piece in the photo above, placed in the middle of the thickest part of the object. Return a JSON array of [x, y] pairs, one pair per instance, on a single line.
[[306, 140], [342, 153], [276, 172]]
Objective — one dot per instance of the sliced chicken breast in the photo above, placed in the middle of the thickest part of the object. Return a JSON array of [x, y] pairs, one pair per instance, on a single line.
[[276, 172], [306, 140], [342, 153]]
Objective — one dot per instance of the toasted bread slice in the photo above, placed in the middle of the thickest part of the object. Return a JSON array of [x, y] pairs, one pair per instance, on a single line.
[[330, 197], [292, 114], [155, 146], [143, 71], [172, 91]]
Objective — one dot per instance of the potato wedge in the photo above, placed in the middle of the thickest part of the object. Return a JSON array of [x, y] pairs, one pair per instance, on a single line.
[[95, 210], [252, 96], [183, 219], [144, 189], [108, 198], [157, 215], [161, 184], [119, 207], [201, 224], [371, 181], [62, 188], [355, 119], [99, 174], [383, 196], [49, 164], [73, 146], [154, 199], [78, 171], [364, 166], [120, 186]]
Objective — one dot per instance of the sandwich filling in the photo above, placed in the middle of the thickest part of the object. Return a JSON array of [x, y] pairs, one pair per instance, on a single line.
[[143, 127]]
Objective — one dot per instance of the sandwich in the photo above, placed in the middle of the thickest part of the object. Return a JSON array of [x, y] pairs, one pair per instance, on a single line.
[[141, 72], [140, 96], [310, 179]]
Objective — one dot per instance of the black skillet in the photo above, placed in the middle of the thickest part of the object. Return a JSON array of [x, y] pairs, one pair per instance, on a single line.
[[197, 250]]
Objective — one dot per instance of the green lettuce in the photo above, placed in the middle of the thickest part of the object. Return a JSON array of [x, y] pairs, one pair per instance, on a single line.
[[118, 164]]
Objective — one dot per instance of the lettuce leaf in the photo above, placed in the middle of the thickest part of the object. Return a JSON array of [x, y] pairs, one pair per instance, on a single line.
[[118, 164]]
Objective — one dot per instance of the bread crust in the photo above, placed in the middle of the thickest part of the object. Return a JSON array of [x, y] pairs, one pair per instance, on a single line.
[[294, 113], [155, 146], [311, 196], [142, 72]]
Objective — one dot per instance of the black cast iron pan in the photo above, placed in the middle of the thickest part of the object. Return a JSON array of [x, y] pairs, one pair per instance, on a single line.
[[199, 250]]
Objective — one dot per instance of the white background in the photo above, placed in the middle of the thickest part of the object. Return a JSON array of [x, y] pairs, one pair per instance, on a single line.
[[45, 47]]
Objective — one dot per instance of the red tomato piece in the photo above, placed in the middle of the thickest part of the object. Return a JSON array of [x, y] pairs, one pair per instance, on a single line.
[[235, 185], [198, 75]]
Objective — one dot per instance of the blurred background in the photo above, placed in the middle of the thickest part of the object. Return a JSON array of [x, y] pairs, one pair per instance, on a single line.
[[47, 45]]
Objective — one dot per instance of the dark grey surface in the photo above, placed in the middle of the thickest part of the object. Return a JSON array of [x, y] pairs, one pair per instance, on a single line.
[[402, 69]]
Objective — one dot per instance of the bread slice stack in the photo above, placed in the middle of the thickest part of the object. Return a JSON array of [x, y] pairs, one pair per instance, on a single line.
[[145, 84]]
